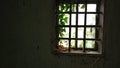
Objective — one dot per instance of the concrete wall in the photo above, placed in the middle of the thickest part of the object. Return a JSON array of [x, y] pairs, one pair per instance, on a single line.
[[27, 31]]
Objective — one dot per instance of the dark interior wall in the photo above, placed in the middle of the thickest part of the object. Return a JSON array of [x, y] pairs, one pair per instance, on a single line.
[[112, 34], [27, 34]]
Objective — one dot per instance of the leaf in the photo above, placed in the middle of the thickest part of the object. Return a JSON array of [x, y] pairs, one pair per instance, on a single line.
[[67, 7], [73, 7], [63, 30], [61, 22], [66, 19], [83, 6], [61, 16]]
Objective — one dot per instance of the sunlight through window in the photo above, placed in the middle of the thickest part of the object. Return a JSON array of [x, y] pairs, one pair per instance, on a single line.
[[78, 26]]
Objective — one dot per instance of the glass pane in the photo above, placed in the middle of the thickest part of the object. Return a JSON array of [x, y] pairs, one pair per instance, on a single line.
[[90, 32], [73, 33], [91, 7], [63, 19], [81, 19], [64, 7], [81, 8], [91, 19], [72, 43], [63, 43], [73, 19], [64, 32], [80, 43], [73, 8], [80, 32], [90, 44]]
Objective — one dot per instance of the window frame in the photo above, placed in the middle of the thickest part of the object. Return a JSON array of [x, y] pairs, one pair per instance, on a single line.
[[99, 16]]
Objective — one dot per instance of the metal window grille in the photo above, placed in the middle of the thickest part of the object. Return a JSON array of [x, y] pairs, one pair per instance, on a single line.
[[75, 33]]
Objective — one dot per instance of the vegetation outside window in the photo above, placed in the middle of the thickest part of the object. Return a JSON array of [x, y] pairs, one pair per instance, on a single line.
[[79, 26]]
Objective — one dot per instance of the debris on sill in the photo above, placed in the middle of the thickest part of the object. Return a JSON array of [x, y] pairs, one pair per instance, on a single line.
[[61, 48]]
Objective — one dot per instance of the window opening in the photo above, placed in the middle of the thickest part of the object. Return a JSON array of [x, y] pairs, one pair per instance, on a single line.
[[78, 26]]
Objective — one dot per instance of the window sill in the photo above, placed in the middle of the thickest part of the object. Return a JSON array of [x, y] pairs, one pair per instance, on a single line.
[[78, 52]]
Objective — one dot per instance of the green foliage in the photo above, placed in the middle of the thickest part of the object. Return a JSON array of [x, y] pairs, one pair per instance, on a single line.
[[73, 8], [64, 7], [83, 6], [63, 18]]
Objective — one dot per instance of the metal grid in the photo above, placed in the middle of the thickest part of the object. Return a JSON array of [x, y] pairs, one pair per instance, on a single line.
[[70, 26]]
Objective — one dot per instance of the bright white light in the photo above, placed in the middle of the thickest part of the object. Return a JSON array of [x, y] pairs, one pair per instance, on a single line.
[[81, 9], [81, 19], [91, 19], [80, 32], [73, 19], [91, 7], [90, 33]]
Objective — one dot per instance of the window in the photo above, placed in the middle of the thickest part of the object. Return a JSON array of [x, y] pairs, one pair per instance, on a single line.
[[79, 26]]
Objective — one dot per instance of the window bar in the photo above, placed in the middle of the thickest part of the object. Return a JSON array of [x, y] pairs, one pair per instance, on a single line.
[[97, 10], [70, 29], [84, 45], [57, 27], [97, 23], [97, 26], [82, 39], [83, 12], [76, 26]]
